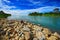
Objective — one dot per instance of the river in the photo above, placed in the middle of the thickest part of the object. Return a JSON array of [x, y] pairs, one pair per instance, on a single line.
[[53, 23]]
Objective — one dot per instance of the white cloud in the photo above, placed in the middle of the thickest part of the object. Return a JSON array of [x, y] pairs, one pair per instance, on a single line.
[[7, 1], [26, 12], [7, 8], [34, 2], [4, 6]]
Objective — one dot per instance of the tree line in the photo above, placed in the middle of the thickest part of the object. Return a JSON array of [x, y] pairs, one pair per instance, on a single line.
[[56, 12]]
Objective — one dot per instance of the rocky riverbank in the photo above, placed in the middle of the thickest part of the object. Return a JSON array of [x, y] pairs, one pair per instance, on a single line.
[[22, 30]]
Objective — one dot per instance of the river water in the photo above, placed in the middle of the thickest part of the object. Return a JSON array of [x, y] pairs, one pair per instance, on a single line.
[[53, 23]]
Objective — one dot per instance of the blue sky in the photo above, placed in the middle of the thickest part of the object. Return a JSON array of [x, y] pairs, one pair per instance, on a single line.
[[24, 7]]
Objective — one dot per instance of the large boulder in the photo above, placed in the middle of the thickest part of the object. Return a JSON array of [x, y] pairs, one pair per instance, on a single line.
[[27, 35], [40, 35], [52, 38]]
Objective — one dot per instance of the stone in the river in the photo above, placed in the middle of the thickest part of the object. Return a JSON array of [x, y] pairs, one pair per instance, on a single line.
[[56, 34], [46, 31], [22, 30], [40, 35], [52, 38], [25, 28], [17, 37], [27, 35], [38, 28], [21, 37], [5, 29], [35, 39]]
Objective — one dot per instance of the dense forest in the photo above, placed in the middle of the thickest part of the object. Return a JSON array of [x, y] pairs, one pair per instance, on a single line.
[[55, 12], [4, 15]]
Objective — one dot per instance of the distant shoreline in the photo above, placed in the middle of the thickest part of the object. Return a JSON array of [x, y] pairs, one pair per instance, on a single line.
[[45, 14], [55, 12]]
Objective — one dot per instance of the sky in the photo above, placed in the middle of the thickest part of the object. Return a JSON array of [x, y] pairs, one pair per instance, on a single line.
[[24, 7]]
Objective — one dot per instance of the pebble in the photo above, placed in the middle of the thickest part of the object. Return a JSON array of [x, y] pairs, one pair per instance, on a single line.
[[22, 30]]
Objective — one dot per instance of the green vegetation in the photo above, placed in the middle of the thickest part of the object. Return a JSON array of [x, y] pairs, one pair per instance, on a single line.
[[4, 15], [55, 12]]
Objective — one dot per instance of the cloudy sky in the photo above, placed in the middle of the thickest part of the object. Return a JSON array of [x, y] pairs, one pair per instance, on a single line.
[[23, 7]]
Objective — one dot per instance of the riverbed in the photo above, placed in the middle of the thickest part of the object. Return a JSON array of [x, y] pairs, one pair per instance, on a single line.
[[53, 23]]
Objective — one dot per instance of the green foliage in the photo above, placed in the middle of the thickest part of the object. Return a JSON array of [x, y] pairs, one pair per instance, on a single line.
[[56, 12], [44, 14], [4, 15], [35, 14]]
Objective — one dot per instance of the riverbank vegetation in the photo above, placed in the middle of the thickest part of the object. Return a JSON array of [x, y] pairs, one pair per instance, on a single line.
[[55, 12], [4, 15]]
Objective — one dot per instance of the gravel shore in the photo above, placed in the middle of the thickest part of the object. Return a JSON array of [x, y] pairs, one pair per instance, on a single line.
[[23, 30]]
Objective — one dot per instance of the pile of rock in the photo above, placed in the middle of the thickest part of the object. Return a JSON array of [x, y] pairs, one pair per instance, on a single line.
[[22, 30]]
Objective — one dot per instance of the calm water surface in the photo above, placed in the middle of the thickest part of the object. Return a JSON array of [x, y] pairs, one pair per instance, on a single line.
[[53, 23]]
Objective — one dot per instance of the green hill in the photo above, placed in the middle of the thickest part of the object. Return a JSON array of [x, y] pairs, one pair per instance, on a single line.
[[4, 15]]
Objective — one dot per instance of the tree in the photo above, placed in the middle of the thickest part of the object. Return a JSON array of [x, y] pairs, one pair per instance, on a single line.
[[2, 12], [56, 10]]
